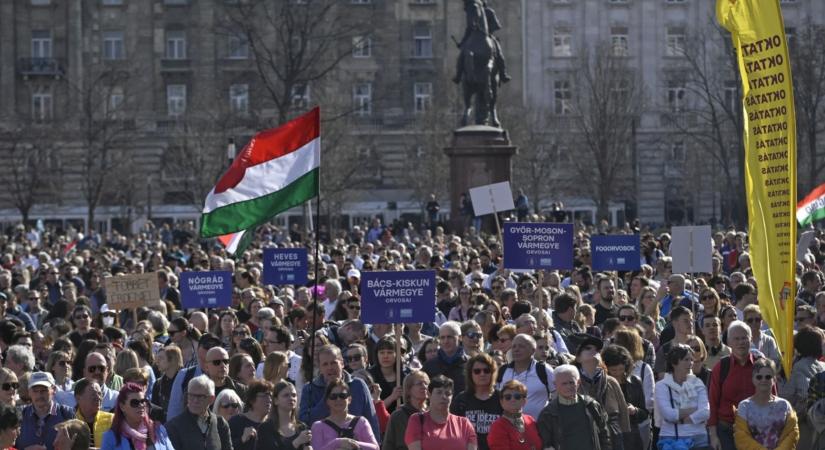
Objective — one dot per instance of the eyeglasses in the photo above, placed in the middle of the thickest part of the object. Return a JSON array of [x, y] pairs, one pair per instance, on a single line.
[[197, 396], [708, 297], [10, 386], [627, 318], [354, 357], [95, 369], [480, 371], [138, 403], [339, 396], [354, 307], [218, 362], [763, 377], [231, 405], [753, 320], [473, 335], [513, 397]]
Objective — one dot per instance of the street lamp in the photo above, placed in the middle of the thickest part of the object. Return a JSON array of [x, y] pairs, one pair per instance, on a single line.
[[231, 151]]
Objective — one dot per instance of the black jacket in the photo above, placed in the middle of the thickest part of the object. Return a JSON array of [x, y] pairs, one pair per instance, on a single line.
[[186, 435]]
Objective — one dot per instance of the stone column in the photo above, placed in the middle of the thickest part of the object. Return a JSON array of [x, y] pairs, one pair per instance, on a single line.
[[479, 155]]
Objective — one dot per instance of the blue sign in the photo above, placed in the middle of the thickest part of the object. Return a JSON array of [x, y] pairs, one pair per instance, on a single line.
[[206, 289], [538, 246], [398, 297], [285, 266], [615, 252]]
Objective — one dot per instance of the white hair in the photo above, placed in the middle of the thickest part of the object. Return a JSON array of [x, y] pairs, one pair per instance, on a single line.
[[204, 382], [226, 396], [21, 355], [451, 325], [526, 338], [739, 325], [566, 369]]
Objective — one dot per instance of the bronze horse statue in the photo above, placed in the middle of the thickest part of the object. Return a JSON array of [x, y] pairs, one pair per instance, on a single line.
[[477, 71]]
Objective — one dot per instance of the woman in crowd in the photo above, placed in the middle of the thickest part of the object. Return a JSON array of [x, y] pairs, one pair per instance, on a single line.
[[648, 330], [631, 340], [711, 304], [586, 318], [9, 426], [276, 367], [341, 429], [126, 359], [682, 408], [808, 343], [763, 420], [131, 426], [82, 322], [650, 306], [505, 339], [244, 427], [60, 366], [9, 386], [283, 431], [169, 363], [384, 373], [465, 309], [146, 358], [514, 430], [415, 401], [242, 368], [227, 404], [728, 315], [620, 366], [241, 331], [306, 358], [227, 321], [596, 383], [428, 350], [250, 346], [480, 402], [437, 428], [185, 336]]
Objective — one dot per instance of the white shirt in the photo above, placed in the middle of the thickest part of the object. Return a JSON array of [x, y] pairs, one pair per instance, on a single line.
[[329, 307], [108, 404], [691, 393], [537, 396]]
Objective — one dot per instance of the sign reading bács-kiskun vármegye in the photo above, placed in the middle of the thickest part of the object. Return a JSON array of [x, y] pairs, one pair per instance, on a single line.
[[538, 246], [398, 297], [285, 266], [206, 289], [615, 252]]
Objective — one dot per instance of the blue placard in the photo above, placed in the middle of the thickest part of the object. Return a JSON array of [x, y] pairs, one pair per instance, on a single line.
[[206, 289], [285, 266], [538, 246], [398, 297], [615, 252]]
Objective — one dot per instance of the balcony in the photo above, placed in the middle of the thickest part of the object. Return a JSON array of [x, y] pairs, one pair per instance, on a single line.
[[40, 67]]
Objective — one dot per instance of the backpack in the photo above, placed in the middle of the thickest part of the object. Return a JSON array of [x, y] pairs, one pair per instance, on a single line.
[[724, 368], [348, 432], [542, 373]]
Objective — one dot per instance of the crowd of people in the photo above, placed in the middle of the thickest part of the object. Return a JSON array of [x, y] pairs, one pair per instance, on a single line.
[[572, 359]]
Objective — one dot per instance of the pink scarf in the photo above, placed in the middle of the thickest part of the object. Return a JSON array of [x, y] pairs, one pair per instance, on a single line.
[[138, 437]]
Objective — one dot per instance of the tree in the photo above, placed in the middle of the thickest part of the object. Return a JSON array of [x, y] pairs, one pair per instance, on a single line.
[[31, 172], [808, 69], [608, 100], [428, 165]]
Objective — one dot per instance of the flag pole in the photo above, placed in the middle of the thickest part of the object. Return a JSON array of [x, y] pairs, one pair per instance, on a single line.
[[317, 262]]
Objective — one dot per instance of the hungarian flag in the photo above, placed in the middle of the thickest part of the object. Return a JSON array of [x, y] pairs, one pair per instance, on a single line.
[[277, 170], [236, 243], [811, 208]]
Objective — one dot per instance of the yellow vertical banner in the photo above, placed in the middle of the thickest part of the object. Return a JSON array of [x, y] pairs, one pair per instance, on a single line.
[[758, 34]]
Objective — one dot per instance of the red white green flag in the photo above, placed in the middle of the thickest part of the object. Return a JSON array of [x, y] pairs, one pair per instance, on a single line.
[[811, 208], [277, 170], [236, 243]]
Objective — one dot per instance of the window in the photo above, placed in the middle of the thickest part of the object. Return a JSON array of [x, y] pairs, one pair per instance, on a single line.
[[175, 44], [563, 97], [41, 44], [361, 47], [238, 47], [422, 40], [113, 45], [239, 98], [618, 41], [112, 2], [677, 151], [362, 97], [422, 93], [300, 96], [562, 42], [676, 96], [114, 100], [176, 99], [42, 105], [675, 40], [732, 101]]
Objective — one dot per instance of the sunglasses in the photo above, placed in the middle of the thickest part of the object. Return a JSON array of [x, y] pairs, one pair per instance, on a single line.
[[627, 318], [10, 386], [218, 362], [763, 377], [708, 297], [354, 307], [138, 402], [339, 396], [355, 357], [513, 397], [231, 405], [480, 371], [473, 335], [95, 369]]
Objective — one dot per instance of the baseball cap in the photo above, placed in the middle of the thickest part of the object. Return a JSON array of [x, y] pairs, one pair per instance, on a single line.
[[41, 379], [353, 273]]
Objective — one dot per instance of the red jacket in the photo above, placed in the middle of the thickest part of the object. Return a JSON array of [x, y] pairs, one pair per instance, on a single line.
[[504, 435]]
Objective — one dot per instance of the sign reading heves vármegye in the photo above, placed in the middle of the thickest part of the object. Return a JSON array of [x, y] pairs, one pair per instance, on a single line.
[[206, 289], [538, 246], [285, 266], [398, 297]]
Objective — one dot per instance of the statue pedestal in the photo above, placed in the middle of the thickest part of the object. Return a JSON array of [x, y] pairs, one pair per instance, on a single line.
[[479, 155]]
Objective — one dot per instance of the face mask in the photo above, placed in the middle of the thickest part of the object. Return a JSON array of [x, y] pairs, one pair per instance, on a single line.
[[108, 321]]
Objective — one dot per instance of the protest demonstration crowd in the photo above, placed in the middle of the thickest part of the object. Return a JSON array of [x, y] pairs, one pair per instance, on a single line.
[[573, 359]]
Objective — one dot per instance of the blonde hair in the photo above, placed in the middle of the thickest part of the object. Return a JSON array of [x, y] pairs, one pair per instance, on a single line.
[[126, 359], [275, 367]]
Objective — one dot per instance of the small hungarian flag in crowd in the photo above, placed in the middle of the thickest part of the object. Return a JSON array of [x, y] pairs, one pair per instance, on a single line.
[[277, 170], [236, 243], [811, 208]]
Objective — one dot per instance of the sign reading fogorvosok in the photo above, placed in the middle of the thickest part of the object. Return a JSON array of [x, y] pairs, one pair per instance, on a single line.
[[615, 252], [538, 245], [398, 297], [206, 289]]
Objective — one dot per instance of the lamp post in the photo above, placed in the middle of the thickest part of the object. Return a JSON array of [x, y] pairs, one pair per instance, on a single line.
[[231, 151]]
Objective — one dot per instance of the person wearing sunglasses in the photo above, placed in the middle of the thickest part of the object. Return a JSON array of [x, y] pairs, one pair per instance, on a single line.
[[759, 340], [82, 321], [60, 366], [41, 416], [8, 387], [88, 395], [682, 408], [197, 427], [764, 420], [131, 426], [217, 368], [97, 369], [340, 429], [479, 402], [227, 404], [514, 429]]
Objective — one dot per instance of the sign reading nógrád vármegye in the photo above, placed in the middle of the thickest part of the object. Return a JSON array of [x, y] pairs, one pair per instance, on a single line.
[[615, 252], [206, 289], [538, 246], [398, 297], [285, 266]]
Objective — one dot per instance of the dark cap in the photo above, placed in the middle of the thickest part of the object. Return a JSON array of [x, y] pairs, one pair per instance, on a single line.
[[581, 340]]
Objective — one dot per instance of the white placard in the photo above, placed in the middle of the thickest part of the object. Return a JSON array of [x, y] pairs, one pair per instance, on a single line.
[[492, 198], [692, 249], [805, 240]]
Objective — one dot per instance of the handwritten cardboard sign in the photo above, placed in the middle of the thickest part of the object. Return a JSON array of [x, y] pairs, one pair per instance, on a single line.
[[132, 291]]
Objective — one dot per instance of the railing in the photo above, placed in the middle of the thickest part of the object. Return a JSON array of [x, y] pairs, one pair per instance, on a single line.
[[40, 67]]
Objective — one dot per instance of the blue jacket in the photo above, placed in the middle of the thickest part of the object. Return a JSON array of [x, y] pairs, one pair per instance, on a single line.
[[162, 441], [314, 406], [177, 401]]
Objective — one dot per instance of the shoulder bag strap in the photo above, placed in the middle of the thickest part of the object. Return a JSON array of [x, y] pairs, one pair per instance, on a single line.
[[675, 424]]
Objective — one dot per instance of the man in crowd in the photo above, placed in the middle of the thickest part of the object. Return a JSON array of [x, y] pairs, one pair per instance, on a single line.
[[97, 369], [88, 395], [535, 375], [37, 429], [178, 390], [198, 428], [572, 420], [451, 359]]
